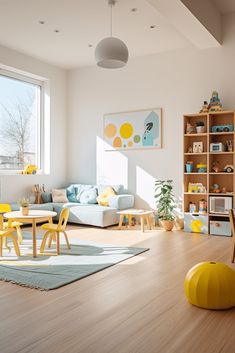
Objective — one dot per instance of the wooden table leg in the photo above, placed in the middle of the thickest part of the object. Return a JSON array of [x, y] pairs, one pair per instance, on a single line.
[[34, 239], [148, 222], [129, 220], [120, 221], [142, 223]]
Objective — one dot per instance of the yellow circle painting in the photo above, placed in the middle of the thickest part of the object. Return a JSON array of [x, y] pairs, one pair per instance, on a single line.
[[126, 130], [117, 143], [110, 130]]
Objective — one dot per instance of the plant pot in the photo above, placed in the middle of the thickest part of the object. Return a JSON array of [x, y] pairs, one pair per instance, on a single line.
[[200, 129], [167, 225], [24, 211]]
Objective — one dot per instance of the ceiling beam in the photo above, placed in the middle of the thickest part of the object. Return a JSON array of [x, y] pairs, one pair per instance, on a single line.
[[199, 21]]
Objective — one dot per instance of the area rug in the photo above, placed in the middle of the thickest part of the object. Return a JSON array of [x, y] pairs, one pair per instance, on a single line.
[[49, 271]]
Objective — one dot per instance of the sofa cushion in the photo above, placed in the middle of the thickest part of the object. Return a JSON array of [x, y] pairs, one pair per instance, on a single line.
[[72, 193], [103, 198], [94, 215], [119, 189], [59, 195], [46, 197], [88, 196]]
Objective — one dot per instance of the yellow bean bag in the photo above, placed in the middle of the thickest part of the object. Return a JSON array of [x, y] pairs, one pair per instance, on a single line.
[[103, 199], [210, 285]]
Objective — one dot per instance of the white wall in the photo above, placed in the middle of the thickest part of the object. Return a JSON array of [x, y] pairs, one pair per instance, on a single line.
[[177, 81], [16, 186]]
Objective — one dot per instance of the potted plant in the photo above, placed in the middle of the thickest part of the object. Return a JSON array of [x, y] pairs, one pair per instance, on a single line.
[[24, 206], [200, 127], [165, 203]]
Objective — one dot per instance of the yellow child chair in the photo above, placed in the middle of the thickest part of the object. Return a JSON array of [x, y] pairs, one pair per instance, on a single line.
[[8, 233], [53, 231], [9, 224]]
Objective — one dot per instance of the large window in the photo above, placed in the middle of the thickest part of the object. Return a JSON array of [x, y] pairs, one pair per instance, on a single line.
[[20, 121]]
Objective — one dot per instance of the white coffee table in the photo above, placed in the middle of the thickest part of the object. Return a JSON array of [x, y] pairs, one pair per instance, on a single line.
[[34, 217], [144, 216]]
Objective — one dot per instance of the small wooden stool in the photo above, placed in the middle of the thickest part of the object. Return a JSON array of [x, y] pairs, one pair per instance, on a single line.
[[144, 217]]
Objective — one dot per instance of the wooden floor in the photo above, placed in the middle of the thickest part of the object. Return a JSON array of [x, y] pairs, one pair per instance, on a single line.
[[136, 306]]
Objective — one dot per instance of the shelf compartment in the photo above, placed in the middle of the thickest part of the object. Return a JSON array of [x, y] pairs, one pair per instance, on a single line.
[[189, 140], [220, 173], [221, 133], [195, 154], [220, 194], [218, 153], [218, 215], [195, 134]]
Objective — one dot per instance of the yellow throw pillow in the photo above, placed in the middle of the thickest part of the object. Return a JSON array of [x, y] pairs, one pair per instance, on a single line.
[[102, 199]]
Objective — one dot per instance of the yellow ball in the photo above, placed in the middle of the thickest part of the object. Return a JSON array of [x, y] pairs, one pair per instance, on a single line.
[[210, 285]]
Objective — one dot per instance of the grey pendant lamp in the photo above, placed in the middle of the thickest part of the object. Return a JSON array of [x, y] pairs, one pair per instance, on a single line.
[[111, 52]]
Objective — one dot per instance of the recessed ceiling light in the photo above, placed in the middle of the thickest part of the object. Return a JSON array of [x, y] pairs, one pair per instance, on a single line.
[[41, 22], [152, 26], [56, 30], [134, 9]]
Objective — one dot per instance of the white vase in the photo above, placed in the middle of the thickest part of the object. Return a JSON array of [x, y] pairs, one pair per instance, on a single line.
[[200, 129]]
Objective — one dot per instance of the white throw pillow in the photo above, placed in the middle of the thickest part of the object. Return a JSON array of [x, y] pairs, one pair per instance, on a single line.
[[59, 195]]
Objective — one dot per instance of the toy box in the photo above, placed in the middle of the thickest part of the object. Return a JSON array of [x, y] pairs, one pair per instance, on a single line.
[[220, 228], [194, 223]]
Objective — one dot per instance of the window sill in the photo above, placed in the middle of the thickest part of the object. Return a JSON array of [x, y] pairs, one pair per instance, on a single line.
[[18, 173]]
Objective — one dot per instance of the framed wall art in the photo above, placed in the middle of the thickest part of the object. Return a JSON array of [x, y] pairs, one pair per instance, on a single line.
[[133, 130]]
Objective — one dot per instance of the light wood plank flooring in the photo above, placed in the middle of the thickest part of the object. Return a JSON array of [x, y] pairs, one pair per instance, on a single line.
[[137, 306]]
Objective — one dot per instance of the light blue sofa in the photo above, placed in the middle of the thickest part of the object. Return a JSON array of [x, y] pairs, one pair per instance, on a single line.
[[91, 214]]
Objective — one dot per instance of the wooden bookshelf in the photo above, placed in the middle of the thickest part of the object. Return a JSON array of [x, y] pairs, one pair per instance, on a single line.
[[209, 178]]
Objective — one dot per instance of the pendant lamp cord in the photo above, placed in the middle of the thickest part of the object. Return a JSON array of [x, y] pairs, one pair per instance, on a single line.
[[111, 19]]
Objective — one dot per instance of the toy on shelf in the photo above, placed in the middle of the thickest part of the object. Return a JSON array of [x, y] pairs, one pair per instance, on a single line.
[[215, 104], [30, 169], [202, 206], [189, 128], [190, 149], [189, 166], [217, 147], [192, 207], [215, 189], [201, 168], [215, 167], [224, 190], [200, 127], [198, 147], [196, 188], [222, 128], [229, 145], [205, 107], [228, 168]]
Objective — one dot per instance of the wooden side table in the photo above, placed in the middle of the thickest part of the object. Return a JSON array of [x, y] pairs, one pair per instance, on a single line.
[[144, 216]]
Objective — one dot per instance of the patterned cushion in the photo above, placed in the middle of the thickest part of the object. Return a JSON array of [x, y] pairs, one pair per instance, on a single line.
[[88, 196]]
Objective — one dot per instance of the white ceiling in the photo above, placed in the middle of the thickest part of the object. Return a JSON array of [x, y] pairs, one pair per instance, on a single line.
[[82, 22], [225, 6]]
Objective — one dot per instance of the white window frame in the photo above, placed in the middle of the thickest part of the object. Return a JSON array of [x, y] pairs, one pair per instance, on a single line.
[[40, 121]]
